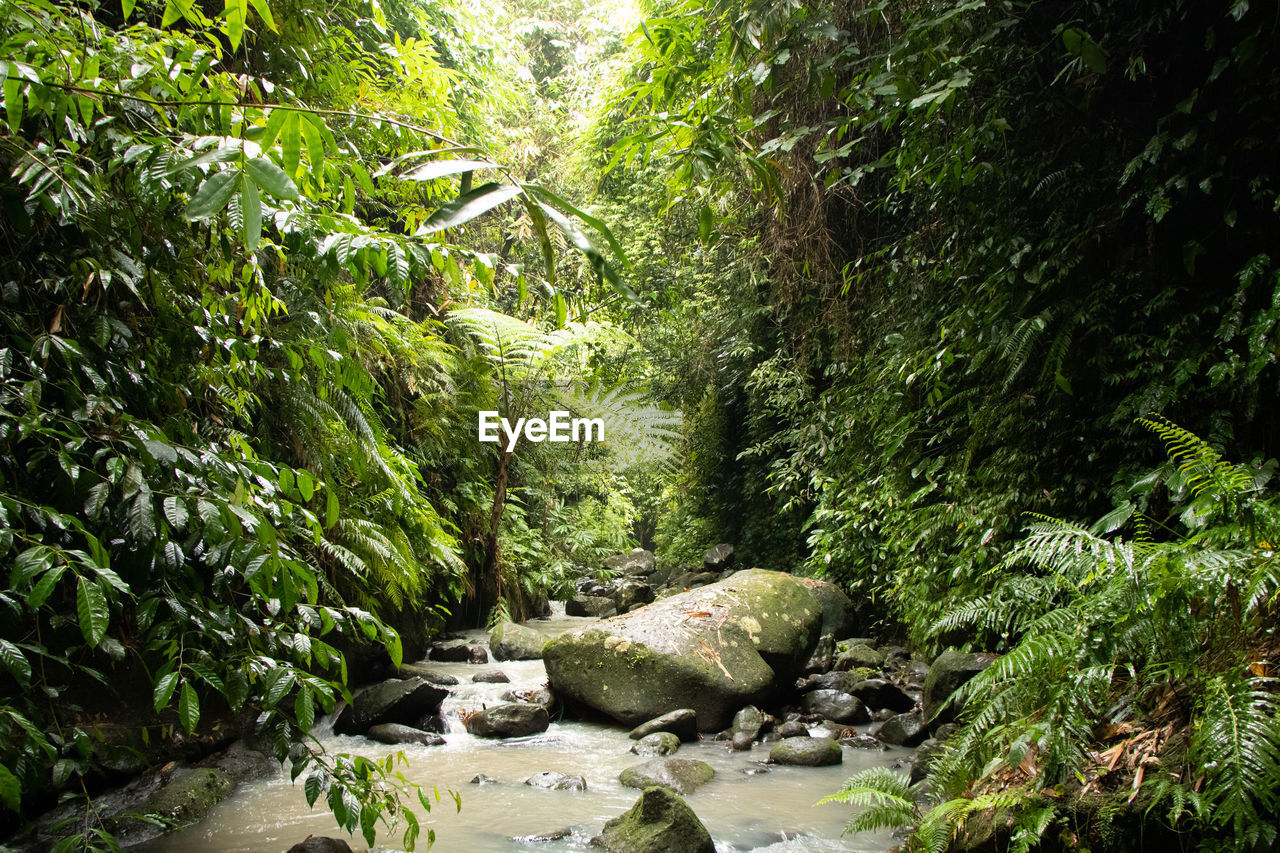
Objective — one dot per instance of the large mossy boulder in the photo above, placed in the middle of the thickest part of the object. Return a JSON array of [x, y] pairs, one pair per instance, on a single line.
[[682, 775], [516, 719], [398, 700], [659, 822], [509, 641], [947, 674], [714, 650]]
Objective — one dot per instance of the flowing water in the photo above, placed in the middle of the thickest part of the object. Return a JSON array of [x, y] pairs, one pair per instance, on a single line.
[[747, 806]]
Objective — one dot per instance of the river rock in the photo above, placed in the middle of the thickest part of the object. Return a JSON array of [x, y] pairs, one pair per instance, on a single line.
[[824, 655], [682, 722], [806, 752], [320, 844], [515, 719], [637, 562], [590, 605], [427, 673], [859, 655], [949, 672], [459, 652], [394, 733], [630, 594], [394, 701], [742, 741], [839, 618], [688, 580], [718, 559], [836, 706], [712, 650], [876, 693], [903, 730], [792, 728], [553, 781], [658, 743], [509, 641], [682, 775], [927, 753], [537, 695], [659, 822], [748, 721], [491, 676], [863, 741]]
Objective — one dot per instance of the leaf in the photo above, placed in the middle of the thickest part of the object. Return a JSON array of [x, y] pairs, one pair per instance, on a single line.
[[175, 509], [236, 11], [705, 222], [271, 178], [597, 224], [127, 6], [304, 709], [142, 516], [188, 707], [213, 195], [306, 485], [264, 12], [313, 786], [13, 660], [468, 206], [279, 688], [330, 509], [291, 142], [10, 789], [271, 131], [441, 168], [251, 208], [562, 310], [44, 587], [164, 690], [97, 500], [91, 607]]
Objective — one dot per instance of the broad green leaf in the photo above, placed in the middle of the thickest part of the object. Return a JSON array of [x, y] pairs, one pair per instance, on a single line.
[[97, 500], [330, 509], [174, 11], [44, 587], [279, 688], [251, 208], [10, 789], [306, 485], [706, 220], [441, 168], [598, 224], [188, 707], [313, 133], [213, 195], [271, 131], [91, 608], [127, 6], [175, 509], [236, 11], [31, 562], [304, 709], [13, 660], [142, 516], [271, 178], [562, 310], [13, 103], [164, 690], [468, 206], [313, 787]]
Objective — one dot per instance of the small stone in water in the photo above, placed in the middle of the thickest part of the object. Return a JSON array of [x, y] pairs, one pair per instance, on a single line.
[[544, 836], [481, 779], [492, 676]]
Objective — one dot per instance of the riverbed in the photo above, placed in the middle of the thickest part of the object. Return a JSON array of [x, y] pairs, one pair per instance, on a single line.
[[748, 806]]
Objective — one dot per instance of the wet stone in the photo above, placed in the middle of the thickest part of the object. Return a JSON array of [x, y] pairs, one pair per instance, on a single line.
[[492, 676], [553, 781], [658, 743]]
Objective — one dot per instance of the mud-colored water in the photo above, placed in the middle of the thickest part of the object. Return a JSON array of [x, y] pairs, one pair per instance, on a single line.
[[747, 806]]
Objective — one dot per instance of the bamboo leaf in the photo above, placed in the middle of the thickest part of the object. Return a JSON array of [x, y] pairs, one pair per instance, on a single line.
[[468, 206], [441, 168], [264, 12], [236, 11], [251, 208], [291, 142]]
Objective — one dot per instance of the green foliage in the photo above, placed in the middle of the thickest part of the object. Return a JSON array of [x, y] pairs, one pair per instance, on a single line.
[[1132, 635]]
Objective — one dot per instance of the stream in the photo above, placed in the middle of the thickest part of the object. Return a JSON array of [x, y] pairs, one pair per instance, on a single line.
[[748, 806]]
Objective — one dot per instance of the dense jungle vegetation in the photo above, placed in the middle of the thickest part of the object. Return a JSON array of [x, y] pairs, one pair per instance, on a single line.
[[968, 305]]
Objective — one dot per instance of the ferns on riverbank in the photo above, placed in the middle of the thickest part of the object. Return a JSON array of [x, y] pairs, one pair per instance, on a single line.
[[1138, 668]]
